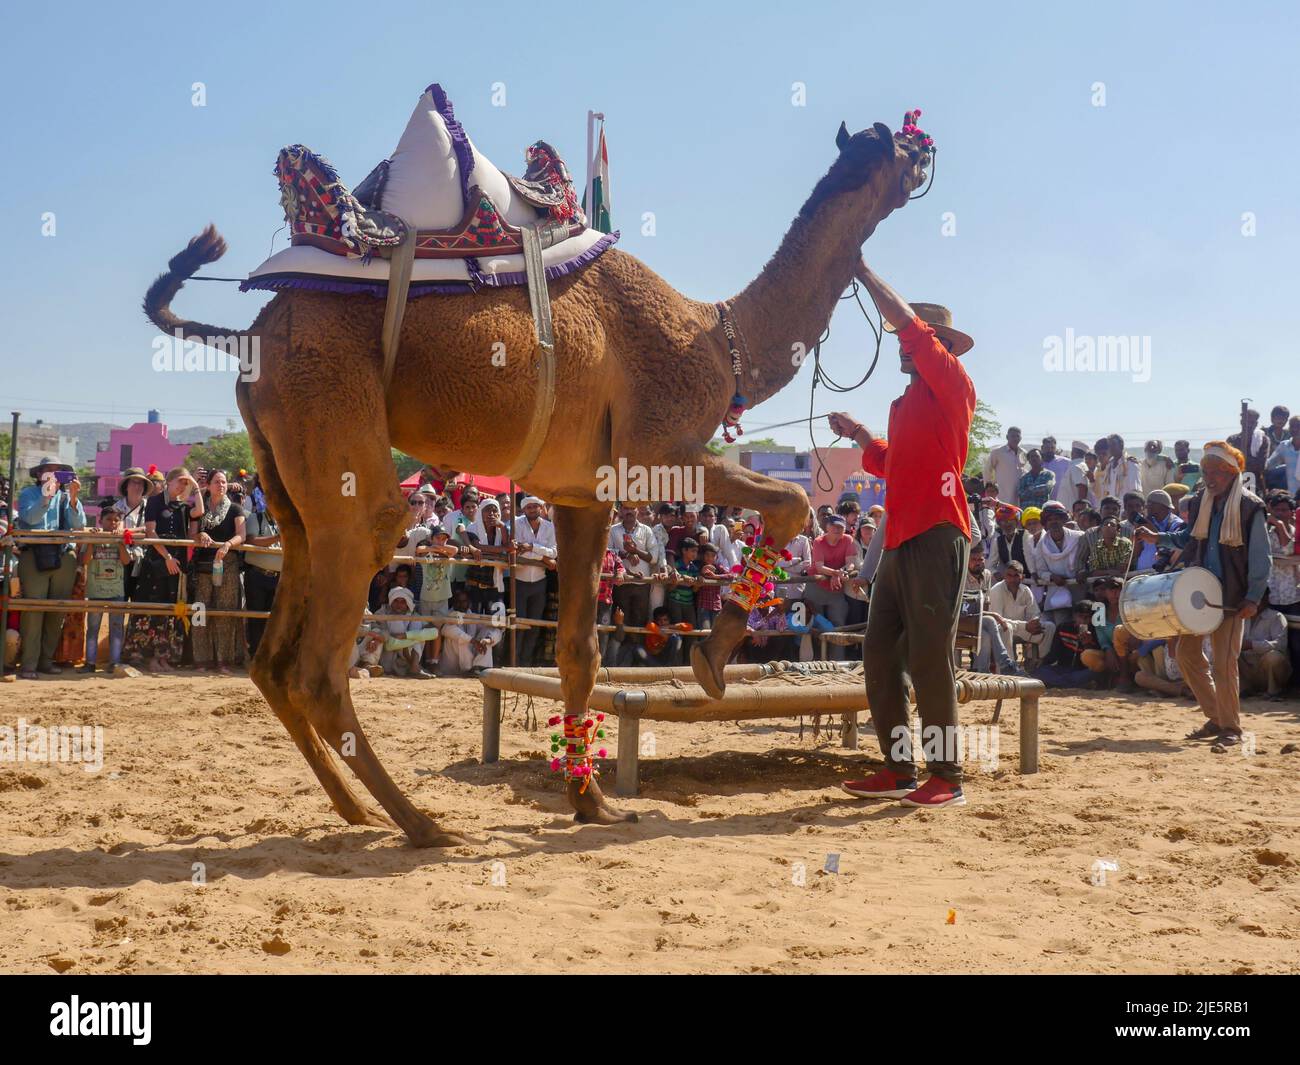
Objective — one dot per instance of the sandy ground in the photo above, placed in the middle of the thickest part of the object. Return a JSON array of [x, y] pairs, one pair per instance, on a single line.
[[724, 872]]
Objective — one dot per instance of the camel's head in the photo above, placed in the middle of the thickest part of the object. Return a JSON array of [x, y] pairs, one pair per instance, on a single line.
[[876, 170]]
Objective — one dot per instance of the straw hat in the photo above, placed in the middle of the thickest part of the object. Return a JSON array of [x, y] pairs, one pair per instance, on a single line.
[[939, 318], [133, 473]]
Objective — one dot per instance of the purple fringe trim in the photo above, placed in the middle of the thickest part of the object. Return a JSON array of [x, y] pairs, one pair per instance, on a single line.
[[459, 142], [319, 283], [520, 277]]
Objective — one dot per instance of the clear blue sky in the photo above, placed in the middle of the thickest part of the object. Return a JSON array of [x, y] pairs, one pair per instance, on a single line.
[[1117, 220]]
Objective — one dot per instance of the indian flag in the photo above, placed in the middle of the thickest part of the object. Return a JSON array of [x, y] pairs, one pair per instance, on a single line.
[[597, 189]]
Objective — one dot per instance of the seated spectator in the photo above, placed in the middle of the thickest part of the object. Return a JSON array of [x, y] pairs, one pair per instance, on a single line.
[[1134, 513], [1008, 543], [1162, 518], [766, 628], [991, 647], [367, 650], [466, 644], [1158, 670], [661, 646], [1012, 606], [106, 566], [1063, 665], [1055, 561], [401, 661], [1115, 656], [1110, 556], [1264, 665]]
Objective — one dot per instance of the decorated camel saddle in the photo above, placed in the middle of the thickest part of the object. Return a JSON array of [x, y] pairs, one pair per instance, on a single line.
[[463, 222]]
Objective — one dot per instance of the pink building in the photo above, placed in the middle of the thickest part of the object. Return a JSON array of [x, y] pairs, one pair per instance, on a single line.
[[144, 444]]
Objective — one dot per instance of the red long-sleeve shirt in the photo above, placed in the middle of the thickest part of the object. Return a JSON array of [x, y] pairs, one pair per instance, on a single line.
[[922, 458]]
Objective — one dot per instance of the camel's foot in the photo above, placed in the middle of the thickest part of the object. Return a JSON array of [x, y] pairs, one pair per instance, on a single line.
[[426, 833], [709, 656], [592, 809], [358, 813]]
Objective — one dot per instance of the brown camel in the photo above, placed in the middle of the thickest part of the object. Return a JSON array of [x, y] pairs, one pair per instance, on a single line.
[[321, 427]]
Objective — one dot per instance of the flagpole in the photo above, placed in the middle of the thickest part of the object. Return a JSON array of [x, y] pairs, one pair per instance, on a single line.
[[591, 169]]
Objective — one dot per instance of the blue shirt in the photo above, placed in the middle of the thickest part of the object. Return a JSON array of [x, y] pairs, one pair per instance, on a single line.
[[35, 511], [1287, 456], [1147, 555], [1258, 562]]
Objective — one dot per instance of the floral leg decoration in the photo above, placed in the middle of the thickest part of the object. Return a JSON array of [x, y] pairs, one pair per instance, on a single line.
[[578, 758]]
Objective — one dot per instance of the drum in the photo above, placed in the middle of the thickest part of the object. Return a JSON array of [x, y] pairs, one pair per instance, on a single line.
[[1185, 602]]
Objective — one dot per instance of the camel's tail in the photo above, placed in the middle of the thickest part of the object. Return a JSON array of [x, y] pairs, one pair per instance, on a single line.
[[207, 247]]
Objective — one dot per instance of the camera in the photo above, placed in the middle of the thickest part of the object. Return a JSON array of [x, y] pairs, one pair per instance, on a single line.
[[64, 477]]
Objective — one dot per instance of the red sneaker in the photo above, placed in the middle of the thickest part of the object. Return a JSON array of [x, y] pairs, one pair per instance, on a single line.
[[934, 793], [883, 785]]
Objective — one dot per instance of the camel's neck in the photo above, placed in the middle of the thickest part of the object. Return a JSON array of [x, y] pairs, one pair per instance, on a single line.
[[791, 301]]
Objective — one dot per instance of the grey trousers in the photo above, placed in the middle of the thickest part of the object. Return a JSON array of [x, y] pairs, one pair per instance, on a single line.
[[915, 601], [40, 632], [530, 602]]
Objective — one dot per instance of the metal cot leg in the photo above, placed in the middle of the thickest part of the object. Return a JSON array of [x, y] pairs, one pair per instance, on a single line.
[[491, 725], [629, 743], [1029, 734]]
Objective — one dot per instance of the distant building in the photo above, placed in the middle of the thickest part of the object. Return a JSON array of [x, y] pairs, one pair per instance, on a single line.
[[144, 444], [783, 463], [36, 441]]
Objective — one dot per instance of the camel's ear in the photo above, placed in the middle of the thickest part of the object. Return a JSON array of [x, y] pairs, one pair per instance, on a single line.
[[883, 132], [842, 137]]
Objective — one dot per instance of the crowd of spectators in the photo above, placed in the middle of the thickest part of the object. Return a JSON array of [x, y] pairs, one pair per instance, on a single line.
[[1054, 539]]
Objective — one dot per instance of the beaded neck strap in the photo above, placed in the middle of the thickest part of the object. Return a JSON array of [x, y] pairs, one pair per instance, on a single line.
[[738, 402]]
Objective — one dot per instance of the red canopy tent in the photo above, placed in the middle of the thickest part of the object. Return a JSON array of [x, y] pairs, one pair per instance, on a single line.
[[486, 485]]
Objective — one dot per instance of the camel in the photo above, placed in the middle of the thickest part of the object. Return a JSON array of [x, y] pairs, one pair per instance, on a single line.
[[319, 419]]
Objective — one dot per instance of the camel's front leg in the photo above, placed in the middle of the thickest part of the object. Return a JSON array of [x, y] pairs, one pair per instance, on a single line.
[[580, 536], [784, 509]]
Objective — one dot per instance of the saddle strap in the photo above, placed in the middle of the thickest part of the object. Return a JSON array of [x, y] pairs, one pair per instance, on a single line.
[[399, 286], [537, 236]]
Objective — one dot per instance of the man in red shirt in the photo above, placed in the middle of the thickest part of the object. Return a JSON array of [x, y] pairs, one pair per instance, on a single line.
[[916, 596]]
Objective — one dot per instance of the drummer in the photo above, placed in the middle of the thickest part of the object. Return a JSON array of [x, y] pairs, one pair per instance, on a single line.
[[1229, 537]]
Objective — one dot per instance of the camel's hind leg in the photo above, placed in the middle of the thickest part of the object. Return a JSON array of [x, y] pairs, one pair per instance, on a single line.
[[283, 634], [580, 536], [344, 555], [338, 476]]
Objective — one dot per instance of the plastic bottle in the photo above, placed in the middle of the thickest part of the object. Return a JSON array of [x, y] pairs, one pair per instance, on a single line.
[[218, 573]]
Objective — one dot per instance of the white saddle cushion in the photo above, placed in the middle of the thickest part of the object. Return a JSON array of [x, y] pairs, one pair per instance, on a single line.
[[426, 185]]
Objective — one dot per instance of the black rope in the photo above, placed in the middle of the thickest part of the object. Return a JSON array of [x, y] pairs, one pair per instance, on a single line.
[[934, 154], [820, 376]]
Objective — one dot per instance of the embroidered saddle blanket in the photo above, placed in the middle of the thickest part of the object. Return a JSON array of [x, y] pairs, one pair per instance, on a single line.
[[466, 214]]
